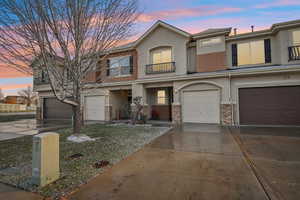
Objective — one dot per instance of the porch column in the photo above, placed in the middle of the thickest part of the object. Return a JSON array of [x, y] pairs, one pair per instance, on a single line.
[[108, 106], [39, 110], [176, 105], [176, 113]]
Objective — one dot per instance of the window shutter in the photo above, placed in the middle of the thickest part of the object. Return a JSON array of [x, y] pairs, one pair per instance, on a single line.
[[234, 54], [131, 64], [268, 58], [107, 67]]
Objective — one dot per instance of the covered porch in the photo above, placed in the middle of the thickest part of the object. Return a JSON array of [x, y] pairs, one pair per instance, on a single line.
[[159, 102], [120, 101]]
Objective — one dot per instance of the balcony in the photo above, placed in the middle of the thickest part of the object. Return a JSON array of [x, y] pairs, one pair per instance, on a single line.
[[160, 68], [294, 53]]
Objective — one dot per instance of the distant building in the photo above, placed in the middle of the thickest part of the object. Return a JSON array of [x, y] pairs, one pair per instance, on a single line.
[[15, 100]]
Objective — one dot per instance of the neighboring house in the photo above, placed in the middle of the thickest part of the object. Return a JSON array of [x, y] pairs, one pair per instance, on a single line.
[[209, 77], [15, 100]]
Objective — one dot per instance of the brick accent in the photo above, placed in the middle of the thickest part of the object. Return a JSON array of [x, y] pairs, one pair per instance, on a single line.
[[102, 75], [176, 114], [211, 62], [108, 113], [226, 114]]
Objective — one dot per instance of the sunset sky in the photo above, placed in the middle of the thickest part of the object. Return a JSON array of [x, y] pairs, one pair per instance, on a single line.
[[192, 16]]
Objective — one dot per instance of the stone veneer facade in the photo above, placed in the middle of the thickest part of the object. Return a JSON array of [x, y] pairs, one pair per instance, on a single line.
[[226, 114], [176, 114]]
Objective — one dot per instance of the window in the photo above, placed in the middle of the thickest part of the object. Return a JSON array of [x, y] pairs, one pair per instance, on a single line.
[[209, 42], [251, 53], [296, 37], [120, 66], [161, 55], [161, 59], [161, 97]]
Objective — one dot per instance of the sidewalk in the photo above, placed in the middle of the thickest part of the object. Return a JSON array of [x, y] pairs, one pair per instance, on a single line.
[[11, 193]]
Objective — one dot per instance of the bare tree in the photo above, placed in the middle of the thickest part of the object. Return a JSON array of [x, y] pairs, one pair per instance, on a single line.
[[137, 111], [28, 94], [1, 95], [66, 36]]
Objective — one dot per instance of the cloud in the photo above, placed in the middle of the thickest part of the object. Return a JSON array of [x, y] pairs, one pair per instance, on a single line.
[[15, 86], [8, 72], [186, 12], [278, 3]]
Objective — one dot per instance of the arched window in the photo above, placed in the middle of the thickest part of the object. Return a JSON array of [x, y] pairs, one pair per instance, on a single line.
[[161, 55], [160, 61]]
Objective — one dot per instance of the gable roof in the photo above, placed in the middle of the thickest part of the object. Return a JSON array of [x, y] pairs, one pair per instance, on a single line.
[[165, 25]]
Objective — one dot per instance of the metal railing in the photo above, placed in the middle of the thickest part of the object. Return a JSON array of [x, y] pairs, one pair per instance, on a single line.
[[294, 53], [160, 68]]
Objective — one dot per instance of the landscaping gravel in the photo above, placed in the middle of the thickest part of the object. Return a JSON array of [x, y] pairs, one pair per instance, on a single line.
[[112, 144]]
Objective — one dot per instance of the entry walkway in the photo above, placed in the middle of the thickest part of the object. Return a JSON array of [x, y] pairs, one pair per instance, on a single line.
[[192, 162]]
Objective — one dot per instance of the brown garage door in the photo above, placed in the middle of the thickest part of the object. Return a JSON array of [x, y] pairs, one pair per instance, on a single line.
[[54, 109], [270, 106]]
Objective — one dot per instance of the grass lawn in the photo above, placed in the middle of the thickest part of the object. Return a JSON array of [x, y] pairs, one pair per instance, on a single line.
[[113, 143], [8, 118]]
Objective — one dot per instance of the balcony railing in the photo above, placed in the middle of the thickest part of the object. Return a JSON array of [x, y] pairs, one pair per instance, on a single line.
[[160, 68], [294, 53]]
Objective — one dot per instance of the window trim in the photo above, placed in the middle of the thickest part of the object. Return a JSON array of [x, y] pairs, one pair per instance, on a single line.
[[109, 74], [157, 48]]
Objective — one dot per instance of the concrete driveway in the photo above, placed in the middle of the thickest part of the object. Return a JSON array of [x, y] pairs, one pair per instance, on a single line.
[[191, 163], [14, 129], [275, 154]]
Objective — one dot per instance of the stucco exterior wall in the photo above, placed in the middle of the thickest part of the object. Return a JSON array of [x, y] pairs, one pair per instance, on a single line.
[[275, 46], [285, 39], [158, 38]]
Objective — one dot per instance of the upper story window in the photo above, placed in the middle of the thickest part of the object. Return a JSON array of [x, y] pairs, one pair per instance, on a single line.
[[209, 42], [161, 61], [120, 66], [251, 53], [161, 55]]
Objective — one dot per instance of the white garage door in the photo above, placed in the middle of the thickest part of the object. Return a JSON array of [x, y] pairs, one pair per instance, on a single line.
[[201, 106], [95, 108]]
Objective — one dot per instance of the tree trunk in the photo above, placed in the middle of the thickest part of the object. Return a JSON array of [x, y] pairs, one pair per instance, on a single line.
[[77, 120]]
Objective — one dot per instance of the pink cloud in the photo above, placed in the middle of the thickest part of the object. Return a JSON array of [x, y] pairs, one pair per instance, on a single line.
[[186, 12], [8, 72], [243, 25], [277, 3], [15, 86]]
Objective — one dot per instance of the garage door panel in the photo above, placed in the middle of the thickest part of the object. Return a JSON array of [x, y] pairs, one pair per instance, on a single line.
[[55, 110], [95, 108], [201, 107], [270, 106]]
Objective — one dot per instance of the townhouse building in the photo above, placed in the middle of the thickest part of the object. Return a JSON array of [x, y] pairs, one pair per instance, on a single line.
[[215, 76]]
